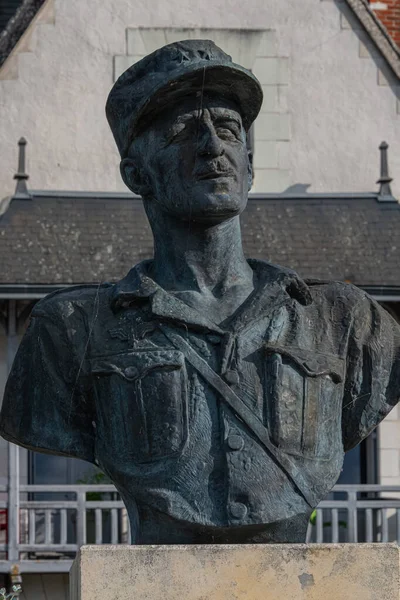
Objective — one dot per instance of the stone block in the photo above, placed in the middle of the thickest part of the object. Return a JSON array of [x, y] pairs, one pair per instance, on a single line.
[[270, 98], [283, 154], [154, 38], [344, 23], [389, 463], [135, 42], [177, 34], [271, 155], [241, 572], [249, 44], [9, 69], [231, 41], [283, 104], [393, 415], [272, 126], [272, 181], [395, 481], [265, 155], [389, 435], [268, 46], [382, 78], [275, 99], [123, 62], [271, 71], [366, 48], [242, 44]]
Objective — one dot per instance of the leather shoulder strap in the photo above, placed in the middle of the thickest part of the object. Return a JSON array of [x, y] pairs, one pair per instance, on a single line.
[[242, 411]]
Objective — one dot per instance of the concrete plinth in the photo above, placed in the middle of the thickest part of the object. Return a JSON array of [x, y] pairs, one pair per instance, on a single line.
[[240, 572]]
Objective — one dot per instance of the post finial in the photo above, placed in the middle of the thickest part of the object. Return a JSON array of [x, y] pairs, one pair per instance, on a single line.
[[385, 192], [21, 176]]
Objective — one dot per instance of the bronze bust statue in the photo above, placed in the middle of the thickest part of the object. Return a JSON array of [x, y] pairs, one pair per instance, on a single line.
[[219, 394]]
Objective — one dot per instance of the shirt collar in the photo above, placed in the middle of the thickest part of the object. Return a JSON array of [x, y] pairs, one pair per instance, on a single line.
[[274, 286]]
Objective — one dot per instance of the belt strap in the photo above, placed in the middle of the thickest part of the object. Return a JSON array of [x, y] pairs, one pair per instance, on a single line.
[[242, 411]]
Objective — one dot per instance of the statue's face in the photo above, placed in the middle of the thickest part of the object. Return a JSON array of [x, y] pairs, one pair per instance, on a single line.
[[196, 160]]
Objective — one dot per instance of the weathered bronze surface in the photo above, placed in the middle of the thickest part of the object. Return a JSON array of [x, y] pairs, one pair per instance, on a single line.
[[218, 393]]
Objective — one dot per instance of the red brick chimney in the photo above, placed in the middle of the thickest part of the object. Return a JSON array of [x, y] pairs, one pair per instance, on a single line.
[[388, 12]]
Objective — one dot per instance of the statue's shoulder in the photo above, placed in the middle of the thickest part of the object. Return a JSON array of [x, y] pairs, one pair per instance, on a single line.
[[310, 290], [337, 291], [66, 302], [335, 287]]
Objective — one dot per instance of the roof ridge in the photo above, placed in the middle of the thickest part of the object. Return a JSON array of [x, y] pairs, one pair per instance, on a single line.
[[17, 26], [378, 33]]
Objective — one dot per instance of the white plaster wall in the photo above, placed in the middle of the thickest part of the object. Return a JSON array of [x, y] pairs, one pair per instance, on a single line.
[[337, 112]]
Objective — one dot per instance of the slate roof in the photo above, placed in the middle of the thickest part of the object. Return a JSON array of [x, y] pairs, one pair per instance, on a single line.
[[19, 14], [7, 10], [64, 238]]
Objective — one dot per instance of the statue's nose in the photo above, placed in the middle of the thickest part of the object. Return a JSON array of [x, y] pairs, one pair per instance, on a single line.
[[209, 142]]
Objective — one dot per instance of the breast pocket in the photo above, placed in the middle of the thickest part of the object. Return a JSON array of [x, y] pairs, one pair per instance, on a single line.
[[302, 405], [142, 397]]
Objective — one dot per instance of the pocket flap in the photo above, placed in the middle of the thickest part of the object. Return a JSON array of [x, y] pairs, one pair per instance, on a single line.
[[313, 364], [135, 364]]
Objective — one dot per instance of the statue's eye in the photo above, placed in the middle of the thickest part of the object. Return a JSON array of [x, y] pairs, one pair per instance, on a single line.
[[228, 130], [224, 130]]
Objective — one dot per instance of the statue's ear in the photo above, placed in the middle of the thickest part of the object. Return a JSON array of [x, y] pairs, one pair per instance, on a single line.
[[129, 173], [134, 177]]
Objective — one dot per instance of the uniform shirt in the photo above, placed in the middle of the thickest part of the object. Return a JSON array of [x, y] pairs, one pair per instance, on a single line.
[[96, 377]]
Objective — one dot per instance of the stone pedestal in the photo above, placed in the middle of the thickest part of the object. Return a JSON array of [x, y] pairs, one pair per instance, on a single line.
[[241, 572]]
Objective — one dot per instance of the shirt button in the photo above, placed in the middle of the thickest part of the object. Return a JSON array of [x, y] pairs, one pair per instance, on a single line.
[[232, 377], [238, 510], [235, 442], [131, 372]]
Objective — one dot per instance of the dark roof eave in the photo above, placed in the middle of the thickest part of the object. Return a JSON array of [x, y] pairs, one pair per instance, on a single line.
[[31, 291], [53, 194], [377, 33]]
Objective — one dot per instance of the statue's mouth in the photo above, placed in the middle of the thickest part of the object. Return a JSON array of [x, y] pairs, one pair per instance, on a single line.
[[214, 175]]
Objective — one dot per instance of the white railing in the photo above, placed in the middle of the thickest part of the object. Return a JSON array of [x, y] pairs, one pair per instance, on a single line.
[[358, 513], [52, 530], [65, 525]]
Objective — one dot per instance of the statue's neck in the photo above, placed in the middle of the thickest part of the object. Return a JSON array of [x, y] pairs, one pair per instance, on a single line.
[[199, 257]]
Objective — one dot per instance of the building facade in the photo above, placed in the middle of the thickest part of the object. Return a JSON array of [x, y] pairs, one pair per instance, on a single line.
[[330, 77]]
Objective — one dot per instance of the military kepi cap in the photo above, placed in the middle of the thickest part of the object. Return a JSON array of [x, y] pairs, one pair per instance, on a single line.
[[176, 70]]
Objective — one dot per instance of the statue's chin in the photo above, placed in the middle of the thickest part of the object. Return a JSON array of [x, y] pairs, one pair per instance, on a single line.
[[214, 208], [213, 218]]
